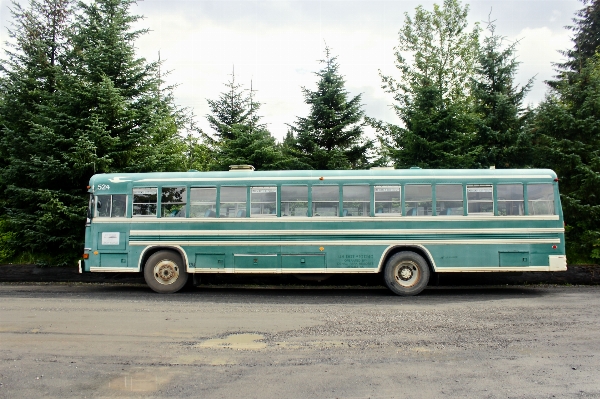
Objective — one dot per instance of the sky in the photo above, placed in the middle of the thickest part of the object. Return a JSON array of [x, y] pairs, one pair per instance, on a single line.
[[275, 46]]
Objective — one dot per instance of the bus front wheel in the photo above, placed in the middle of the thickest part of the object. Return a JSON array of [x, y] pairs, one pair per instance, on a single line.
[[406, 273], [165, 273]]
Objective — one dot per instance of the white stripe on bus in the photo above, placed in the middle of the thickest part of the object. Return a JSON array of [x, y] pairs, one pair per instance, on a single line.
[[322, 219], [213, 233], [372, 179], [343, 242]]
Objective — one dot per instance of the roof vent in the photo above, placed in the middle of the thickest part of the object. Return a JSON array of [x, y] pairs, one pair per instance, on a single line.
[[241, 168], [382, 168], [415, 167]]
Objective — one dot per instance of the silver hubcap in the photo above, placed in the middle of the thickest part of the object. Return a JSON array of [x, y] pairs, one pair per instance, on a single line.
[[166, 272], [407, 273]]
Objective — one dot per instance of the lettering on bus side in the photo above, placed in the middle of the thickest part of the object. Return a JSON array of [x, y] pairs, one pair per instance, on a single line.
[[349, 260]]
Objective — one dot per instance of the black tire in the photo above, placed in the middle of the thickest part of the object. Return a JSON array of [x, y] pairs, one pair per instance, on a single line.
[[165, 272], [406, 273]]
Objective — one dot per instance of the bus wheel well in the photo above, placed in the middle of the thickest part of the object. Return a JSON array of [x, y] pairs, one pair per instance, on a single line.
[[151, 251], [409, 248]]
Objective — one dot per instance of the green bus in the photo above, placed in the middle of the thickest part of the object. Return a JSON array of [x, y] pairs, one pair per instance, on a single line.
[[405, 224]]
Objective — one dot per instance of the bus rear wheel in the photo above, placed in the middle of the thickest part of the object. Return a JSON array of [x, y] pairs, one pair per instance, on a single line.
[[406, 273], [165, 273]]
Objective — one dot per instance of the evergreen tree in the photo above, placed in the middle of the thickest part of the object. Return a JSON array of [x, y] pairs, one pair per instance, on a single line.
[[235, 106], [40, 203], [567, 133], [586, 40], [241, 139], [432, 94], [123, 117], [502, 138], [76, 101], [250, 146], [331, 136]]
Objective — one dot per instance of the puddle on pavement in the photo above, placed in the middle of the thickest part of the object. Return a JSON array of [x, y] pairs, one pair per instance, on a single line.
[[197, 359], [139, 382], [236, 341]]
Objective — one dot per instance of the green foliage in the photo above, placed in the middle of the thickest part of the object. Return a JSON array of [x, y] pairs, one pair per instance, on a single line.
[[250, 146], [76, 101], [502, 138], [586, 39], [567, 135], [567, 132], [7, 243], [235, 106], [198, 155], [331, 136], [432, 99], [119, 101], [443, 53], [241, 138]]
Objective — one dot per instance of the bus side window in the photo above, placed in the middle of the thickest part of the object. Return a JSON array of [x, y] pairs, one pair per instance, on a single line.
[[325, 200], [418, 200], [510, 199], [103, 205], [144, 201], [540, 199], [119, 206], [387, 201], [173, 202], [449, 199], [294, 201], [356, 200], [233, 202], [480, 200], [263, 201], [203, 202]]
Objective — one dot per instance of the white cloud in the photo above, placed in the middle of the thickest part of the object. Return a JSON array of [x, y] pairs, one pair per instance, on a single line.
[[537, 51], [276, 45]]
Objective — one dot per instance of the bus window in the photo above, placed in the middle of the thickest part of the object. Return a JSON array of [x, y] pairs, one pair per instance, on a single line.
[[103, 205], [325, 200], [233, 202], [449, 199], [540, 199], [119, 206], [144, 201], [203, 202], [387, 201], [173, 202], [418, 200], [263, 201], [480, 200], [356, 200], [294, 200], [510, 199], [113, 206]]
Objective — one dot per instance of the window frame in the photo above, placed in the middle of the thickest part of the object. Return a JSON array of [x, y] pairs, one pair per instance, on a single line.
[[214, 204], [430, 201], [238, 210], [185, 203], [273, 189], [479, 201], [438, 200], [384, 186], [133, 203], [336, 202], [281, 201]]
